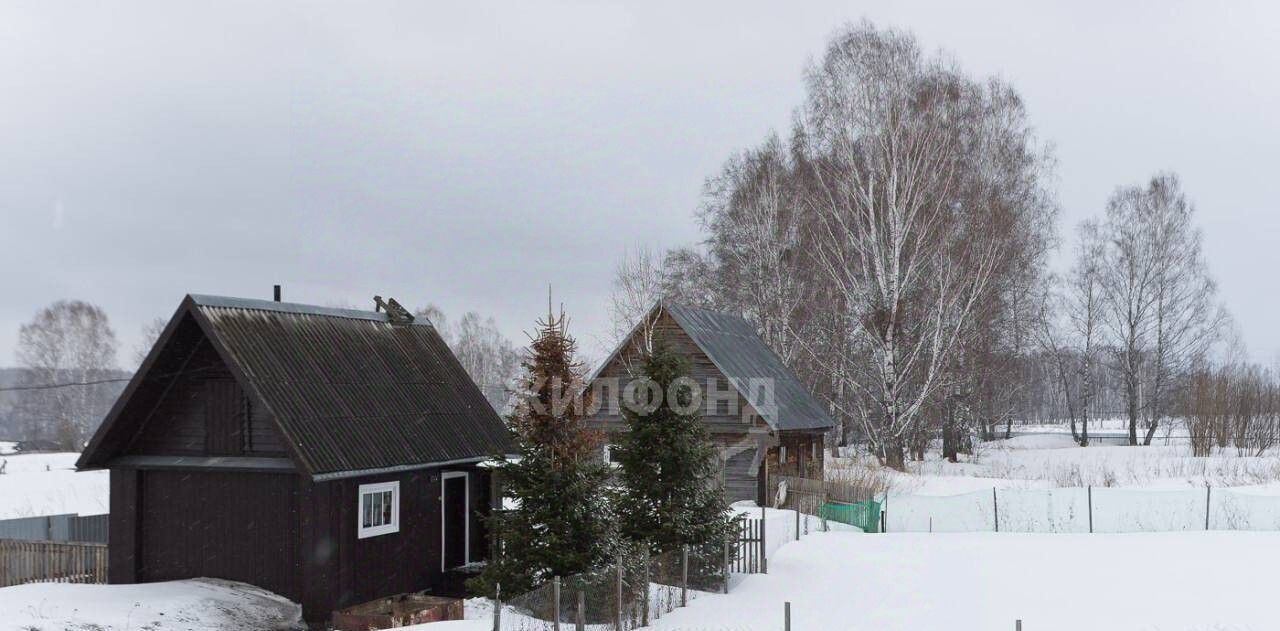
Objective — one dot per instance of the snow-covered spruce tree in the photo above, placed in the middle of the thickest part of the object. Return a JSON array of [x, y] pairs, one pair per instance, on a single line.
[[668, 494], [558, 523]]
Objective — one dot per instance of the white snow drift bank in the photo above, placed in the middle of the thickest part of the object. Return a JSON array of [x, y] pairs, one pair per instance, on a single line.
[[195, 605]]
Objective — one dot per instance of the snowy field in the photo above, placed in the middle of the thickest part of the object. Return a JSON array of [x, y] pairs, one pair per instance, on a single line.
[[48, 484], [1052, 460], [196, 605]]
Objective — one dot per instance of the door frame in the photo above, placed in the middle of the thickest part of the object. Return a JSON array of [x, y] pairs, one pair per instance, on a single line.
[[466, 515]]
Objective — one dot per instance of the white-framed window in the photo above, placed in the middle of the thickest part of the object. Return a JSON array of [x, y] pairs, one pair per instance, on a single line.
[[379, 509]]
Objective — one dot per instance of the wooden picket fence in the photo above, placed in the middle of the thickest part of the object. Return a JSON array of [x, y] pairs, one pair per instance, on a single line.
[[747, 545], [51, 562]]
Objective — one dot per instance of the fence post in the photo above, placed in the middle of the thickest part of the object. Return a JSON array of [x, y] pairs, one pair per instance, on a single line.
[[764, 555], [581, 621], [618, 610], [684, 577], [1090, 508], [726, 565], [497, 608], [797, 521], [555, 608], [786, 615], [1017, 625], [644, 589], [884, 514], [995, 506], [1207, 490]]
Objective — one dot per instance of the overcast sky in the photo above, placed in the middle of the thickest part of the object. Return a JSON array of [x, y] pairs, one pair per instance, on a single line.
[[469, 157]]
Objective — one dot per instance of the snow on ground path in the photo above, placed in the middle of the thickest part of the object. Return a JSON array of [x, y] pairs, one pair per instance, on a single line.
[[48, 484], [982, 581], [195, 605]]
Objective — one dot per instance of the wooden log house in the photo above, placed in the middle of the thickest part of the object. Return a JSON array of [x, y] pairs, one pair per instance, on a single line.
[[758, 413]]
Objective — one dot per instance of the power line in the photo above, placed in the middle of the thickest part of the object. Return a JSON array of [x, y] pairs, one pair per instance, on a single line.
[[69, 384]]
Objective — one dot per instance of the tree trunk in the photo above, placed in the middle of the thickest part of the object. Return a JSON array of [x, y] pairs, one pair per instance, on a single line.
[[1151, 431], [894, 456], [950, 441], [1131, 392]]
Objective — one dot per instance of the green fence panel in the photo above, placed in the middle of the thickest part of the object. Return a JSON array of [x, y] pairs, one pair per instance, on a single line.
[[864, 515]]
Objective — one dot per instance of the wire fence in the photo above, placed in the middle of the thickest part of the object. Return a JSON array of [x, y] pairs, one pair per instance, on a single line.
[[1083, 510], [642, 587], [629, 594]]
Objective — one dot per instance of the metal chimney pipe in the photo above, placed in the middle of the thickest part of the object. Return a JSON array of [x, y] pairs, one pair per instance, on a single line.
[[276, 292]]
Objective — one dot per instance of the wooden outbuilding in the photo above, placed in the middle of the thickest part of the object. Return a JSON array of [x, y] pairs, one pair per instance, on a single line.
[[328, 455], [760, 416]]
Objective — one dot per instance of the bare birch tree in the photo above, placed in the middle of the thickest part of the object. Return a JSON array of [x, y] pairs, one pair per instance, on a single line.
[[488, 356], [755, 220], [896, 141], [67, 351], [1159, 301], [637, 286], [150, 333]]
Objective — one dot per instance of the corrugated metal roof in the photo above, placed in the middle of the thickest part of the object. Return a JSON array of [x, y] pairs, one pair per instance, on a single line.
[[350, 390], [734, 347]]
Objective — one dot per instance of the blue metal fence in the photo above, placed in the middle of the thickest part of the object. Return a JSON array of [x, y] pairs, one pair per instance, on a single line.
[[61, 528]]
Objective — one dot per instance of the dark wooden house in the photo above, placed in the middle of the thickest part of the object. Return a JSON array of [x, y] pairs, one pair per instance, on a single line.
[[760, 416], [328, 455]]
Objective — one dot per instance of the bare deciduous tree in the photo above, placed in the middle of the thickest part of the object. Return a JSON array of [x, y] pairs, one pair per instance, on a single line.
[[490, 359], [912, 219], [150, 333], [753, 213], [67, 350], [1159, 301]]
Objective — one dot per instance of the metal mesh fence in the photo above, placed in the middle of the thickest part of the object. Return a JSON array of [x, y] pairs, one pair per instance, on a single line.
[[629, 595], [1084, 510], [533, 610]]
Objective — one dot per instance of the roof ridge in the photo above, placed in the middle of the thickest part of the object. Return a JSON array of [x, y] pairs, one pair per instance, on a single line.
[[231, 302]]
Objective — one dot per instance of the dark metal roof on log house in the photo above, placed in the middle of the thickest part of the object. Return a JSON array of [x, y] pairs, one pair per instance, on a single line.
[[350, 390], [731, 343]]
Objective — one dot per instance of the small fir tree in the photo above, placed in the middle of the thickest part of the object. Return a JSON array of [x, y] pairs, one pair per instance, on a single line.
[[669, 494], [558, 523]]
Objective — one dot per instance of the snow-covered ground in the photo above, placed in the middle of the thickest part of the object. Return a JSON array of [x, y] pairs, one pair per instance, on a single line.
[[48, 484], [983, 581], [195, 605], [1202, 581], [1052, 460], [7, 447]]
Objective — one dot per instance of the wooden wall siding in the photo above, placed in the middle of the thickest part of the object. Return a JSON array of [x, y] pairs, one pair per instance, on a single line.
[[205, 412], [735, 435], [123, 532], [261, 437], [236, 526], [405, 561], [176, 425], [224, 417], [701, 368], [800, 457]]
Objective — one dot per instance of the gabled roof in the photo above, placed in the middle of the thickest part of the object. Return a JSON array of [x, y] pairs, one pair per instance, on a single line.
[[731, 343], [349, 390]]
